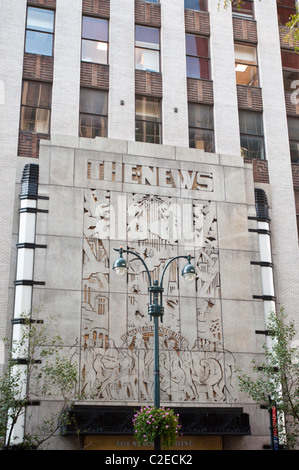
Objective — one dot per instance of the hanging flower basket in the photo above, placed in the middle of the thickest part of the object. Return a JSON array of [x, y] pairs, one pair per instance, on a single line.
[[151, 422]]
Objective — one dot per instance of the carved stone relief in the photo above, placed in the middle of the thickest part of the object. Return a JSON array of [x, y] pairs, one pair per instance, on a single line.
[[192, 365]]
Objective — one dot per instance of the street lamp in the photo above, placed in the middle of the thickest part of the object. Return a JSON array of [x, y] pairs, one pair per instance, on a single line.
[[155, 308]]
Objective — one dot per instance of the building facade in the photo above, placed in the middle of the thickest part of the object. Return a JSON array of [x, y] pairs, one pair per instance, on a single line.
[[167, 128]]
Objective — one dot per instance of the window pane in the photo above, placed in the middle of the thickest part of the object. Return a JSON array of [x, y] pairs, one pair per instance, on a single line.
[[245, 9], [199, 5], [40, 19], [245, 54], [290, 60], [93, 101], [148, 109], [201, 139], [95, 28], [93, 126], [294, 149], [147, 37], [247, 75], [148, 132], [147, 60], [284, 14], [200, 115], [39, 43], [96, 52], [250, 122], [35, 120], [252, 147], [197, 46], [198, 68], [289, 79], [293, 125], [36, 94]]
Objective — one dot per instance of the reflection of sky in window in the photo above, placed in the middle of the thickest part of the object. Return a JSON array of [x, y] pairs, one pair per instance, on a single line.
[[40, 20], [147, 37], [39, 43], [95, 28]]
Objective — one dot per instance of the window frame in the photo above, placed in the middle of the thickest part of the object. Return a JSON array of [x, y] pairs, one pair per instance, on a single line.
[[148, 120], [48, 108], [52, 33], [95, 40], [84, 113], [208, 129], [258, 136], [153, 49], [199, 57]]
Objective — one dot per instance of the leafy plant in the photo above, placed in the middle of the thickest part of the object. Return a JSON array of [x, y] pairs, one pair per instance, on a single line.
[[47, 372], [276, 380], [151, 422]]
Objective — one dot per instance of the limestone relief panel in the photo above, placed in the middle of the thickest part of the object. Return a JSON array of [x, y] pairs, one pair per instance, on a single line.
[[120, 368]]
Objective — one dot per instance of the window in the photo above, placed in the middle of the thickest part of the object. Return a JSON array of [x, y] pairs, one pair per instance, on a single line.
[[95, 40], [243, 10], [148, 120], [293, 126], [251, 134], [290, 64], [201, 135], [198, 62], [285, 8], [246, 65], [35, 108], [199, 5], [93, 113], [151, 1], [147, 46], [39, 31]]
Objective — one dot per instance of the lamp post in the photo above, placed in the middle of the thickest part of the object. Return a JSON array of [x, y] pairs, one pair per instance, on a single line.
[[155, 308]]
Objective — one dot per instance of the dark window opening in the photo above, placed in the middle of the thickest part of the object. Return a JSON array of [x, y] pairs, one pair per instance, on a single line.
[[93, 113]]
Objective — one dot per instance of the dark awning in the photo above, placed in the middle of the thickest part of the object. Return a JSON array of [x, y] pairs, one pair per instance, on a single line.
[[105, 420]]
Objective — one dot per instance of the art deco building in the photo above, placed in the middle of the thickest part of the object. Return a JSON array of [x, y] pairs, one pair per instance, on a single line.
[[166, 127]]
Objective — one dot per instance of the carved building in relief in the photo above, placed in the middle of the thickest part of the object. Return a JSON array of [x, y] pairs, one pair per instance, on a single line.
[[191, 352]]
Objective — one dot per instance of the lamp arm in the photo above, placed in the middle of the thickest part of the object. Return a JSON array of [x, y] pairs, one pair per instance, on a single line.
[[187, 257], [121, 250]]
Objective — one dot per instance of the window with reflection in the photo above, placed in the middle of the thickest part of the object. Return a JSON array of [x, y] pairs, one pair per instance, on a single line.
[[251, 134], [35, 107], [93, 113], [293, 126], [246, 65], [285, 9], [197, 60], [94, 40], [147, 48], [198, 5], [243, 9], [39, 31], [201, 126], [290, 65], [148, 120]]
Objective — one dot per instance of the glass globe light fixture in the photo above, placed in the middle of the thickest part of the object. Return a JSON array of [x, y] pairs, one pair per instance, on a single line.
[[120, 265], [189, 272]]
